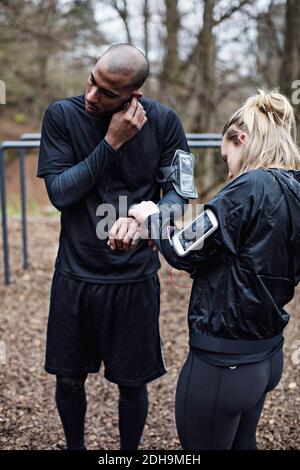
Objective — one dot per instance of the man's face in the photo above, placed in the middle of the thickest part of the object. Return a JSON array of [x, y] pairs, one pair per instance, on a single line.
[[106, 92]]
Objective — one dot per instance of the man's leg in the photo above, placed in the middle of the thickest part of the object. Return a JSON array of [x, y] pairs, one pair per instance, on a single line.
[[71, 404], [133, 408], [126, 321]]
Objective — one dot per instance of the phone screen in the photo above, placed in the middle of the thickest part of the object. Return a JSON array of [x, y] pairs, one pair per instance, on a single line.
[[186, 173], [196, 230]]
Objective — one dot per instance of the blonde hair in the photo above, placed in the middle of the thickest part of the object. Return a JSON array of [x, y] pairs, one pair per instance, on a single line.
[[268, 119]]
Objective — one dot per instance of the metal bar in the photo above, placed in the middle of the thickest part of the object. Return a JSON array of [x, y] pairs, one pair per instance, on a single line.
[[13, 144], [189, 136], [23, 206], [209, 136], [4, 219], [31, 136], [204, 144]]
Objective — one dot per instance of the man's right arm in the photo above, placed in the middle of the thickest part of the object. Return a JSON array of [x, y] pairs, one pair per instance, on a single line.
[[67, 182]]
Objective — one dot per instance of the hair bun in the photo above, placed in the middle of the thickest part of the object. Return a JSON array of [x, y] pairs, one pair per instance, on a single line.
[[268, 107], [275, 106]]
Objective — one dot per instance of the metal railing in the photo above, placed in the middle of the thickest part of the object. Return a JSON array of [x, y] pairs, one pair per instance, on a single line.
[[22, 146], [32, 141], [31, 136], [211, 140]]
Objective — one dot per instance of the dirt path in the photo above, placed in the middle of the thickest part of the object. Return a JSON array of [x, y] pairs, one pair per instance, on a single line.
[[28, 418]]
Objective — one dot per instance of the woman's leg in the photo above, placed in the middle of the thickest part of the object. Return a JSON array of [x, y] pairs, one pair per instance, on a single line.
[[200, 425], [246, 434], [211, 400], [245, 438]]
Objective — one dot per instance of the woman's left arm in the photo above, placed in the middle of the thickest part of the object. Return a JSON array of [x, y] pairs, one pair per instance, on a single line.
[[236, 207], [158, 224]]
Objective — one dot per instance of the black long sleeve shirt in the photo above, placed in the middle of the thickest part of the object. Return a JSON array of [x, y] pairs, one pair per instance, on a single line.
[[83, 174]]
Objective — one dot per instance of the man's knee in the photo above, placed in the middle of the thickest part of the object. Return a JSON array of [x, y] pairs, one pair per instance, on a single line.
[[70, 386], [130, 395]]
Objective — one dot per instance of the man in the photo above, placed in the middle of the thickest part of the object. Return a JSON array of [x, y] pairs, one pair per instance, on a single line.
[[105, 297]]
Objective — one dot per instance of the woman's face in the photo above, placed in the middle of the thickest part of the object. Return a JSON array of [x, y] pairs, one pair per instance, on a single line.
[[231, 152]]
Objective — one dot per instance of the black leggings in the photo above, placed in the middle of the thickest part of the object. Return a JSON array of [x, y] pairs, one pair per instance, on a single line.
[[218, 408], [71, 404]]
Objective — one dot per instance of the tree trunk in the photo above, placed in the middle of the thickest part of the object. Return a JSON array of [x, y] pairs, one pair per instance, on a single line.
[[146, 20], [290, 67], [146, 14], [205, 72], [169, 76]]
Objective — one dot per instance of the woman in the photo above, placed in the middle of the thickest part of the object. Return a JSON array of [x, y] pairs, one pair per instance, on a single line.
[[243, 275]]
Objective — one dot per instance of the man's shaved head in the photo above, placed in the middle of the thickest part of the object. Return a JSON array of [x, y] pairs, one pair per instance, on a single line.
[[126, 60], [116, 79]]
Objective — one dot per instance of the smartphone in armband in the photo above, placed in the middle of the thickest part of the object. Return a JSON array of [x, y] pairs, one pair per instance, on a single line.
[[193, 235]]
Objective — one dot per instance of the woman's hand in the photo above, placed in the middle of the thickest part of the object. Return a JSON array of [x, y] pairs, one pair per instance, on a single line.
[[141, 211]]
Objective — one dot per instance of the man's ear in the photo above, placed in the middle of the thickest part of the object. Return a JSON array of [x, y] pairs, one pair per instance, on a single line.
[[137, 94]]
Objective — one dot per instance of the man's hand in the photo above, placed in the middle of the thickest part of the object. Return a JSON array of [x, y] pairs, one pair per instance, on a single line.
[[126, 124], [124, 234]]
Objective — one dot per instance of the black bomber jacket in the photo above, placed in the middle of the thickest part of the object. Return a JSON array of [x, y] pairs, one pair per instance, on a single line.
[[247, 270]]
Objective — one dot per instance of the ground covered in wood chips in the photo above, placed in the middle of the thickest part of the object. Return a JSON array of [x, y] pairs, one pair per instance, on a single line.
[[28, 417]]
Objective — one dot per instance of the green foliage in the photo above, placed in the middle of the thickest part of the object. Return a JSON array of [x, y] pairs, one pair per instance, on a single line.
[[20, 118]]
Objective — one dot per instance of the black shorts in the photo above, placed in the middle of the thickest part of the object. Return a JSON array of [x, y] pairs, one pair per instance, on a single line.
[[114, 323]]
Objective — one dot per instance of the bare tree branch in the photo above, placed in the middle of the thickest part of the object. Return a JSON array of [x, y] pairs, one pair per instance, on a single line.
[[232, 10], [273, 31], [146, 15], [122, 9]]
